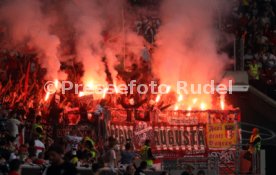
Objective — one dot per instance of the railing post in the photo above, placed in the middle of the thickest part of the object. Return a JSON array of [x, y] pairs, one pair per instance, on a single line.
[[237, 162], [235, 55], [242, 53]]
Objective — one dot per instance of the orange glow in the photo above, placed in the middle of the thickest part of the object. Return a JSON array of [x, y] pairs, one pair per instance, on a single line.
[[116, 89], [168, 89], [203, 106], [189, 109], [222, 103], [176, 107], [47, 96], [180, 98], [104, 92], [90, 85], [81, 94], [158, 98], [194, 100], [56, 83]]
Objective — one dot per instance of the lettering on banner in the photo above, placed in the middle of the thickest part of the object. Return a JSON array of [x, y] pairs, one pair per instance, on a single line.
[[227, 157], [189, 138], [122, 132], [221, 135], [142, 131]]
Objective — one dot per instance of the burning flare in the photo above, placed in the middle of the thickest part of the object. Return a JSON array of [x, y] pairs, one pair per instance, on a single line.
[[222, 103], [104, 93], [47, 96], [56, 83], [168, 89], [180, 98], [158, 97], [194, 101], [203, 106], [116, 88], [81, 94]]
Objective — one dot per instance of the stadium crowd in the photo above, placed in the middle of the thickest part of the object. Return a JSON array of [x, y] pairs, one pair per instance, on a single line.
[[25, 140], [29, 137], [255, 24]]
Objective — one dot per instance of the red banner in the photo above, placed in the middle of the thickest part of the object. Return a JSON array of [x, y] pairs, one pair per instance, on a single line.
[[165, 139]]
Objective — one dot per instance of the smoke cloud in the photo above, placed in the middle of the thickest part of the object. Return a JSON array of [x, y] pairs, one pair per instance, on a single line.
[[28, 24], [88, 30], [186, 43], [187, 47]]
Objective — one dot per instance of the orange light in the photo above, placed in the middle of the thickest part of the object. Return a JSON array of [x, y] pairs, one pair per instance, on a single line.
[[189, 109], [104, 92], [176, 107], [222, 104], [56, 83], [203, 106], [168, 89], [116, 89], [194, 100], [158, 98], [81, 94], [90, 85], [180, 98], [47, 96]]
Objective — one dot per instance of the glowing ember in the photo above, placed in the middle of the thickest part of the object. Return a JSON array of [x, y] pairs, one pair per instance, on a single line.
[[81, 94], [116, 89], [176, 107], [203, 106], [104, 92], [180, 98], [194, 100], [158, 98], [47, 96], [56, 83], [222, 104], [189, 109], [89, 85], [168, 89]]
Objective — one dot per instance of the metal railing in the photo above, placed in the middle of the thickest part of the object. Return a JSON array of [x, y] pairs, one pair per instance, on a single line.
[[208, 164]]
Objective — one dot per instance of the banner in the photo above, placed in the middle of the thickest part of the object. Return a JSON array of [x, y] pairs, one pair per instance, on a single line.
[[122, 131], [190, 139], [221, 135], [184, 117], [164, 137]]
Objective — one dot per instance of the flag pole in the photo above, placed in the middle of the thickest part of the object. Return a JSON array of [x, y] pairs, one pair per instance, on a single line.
[[124, 36]]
